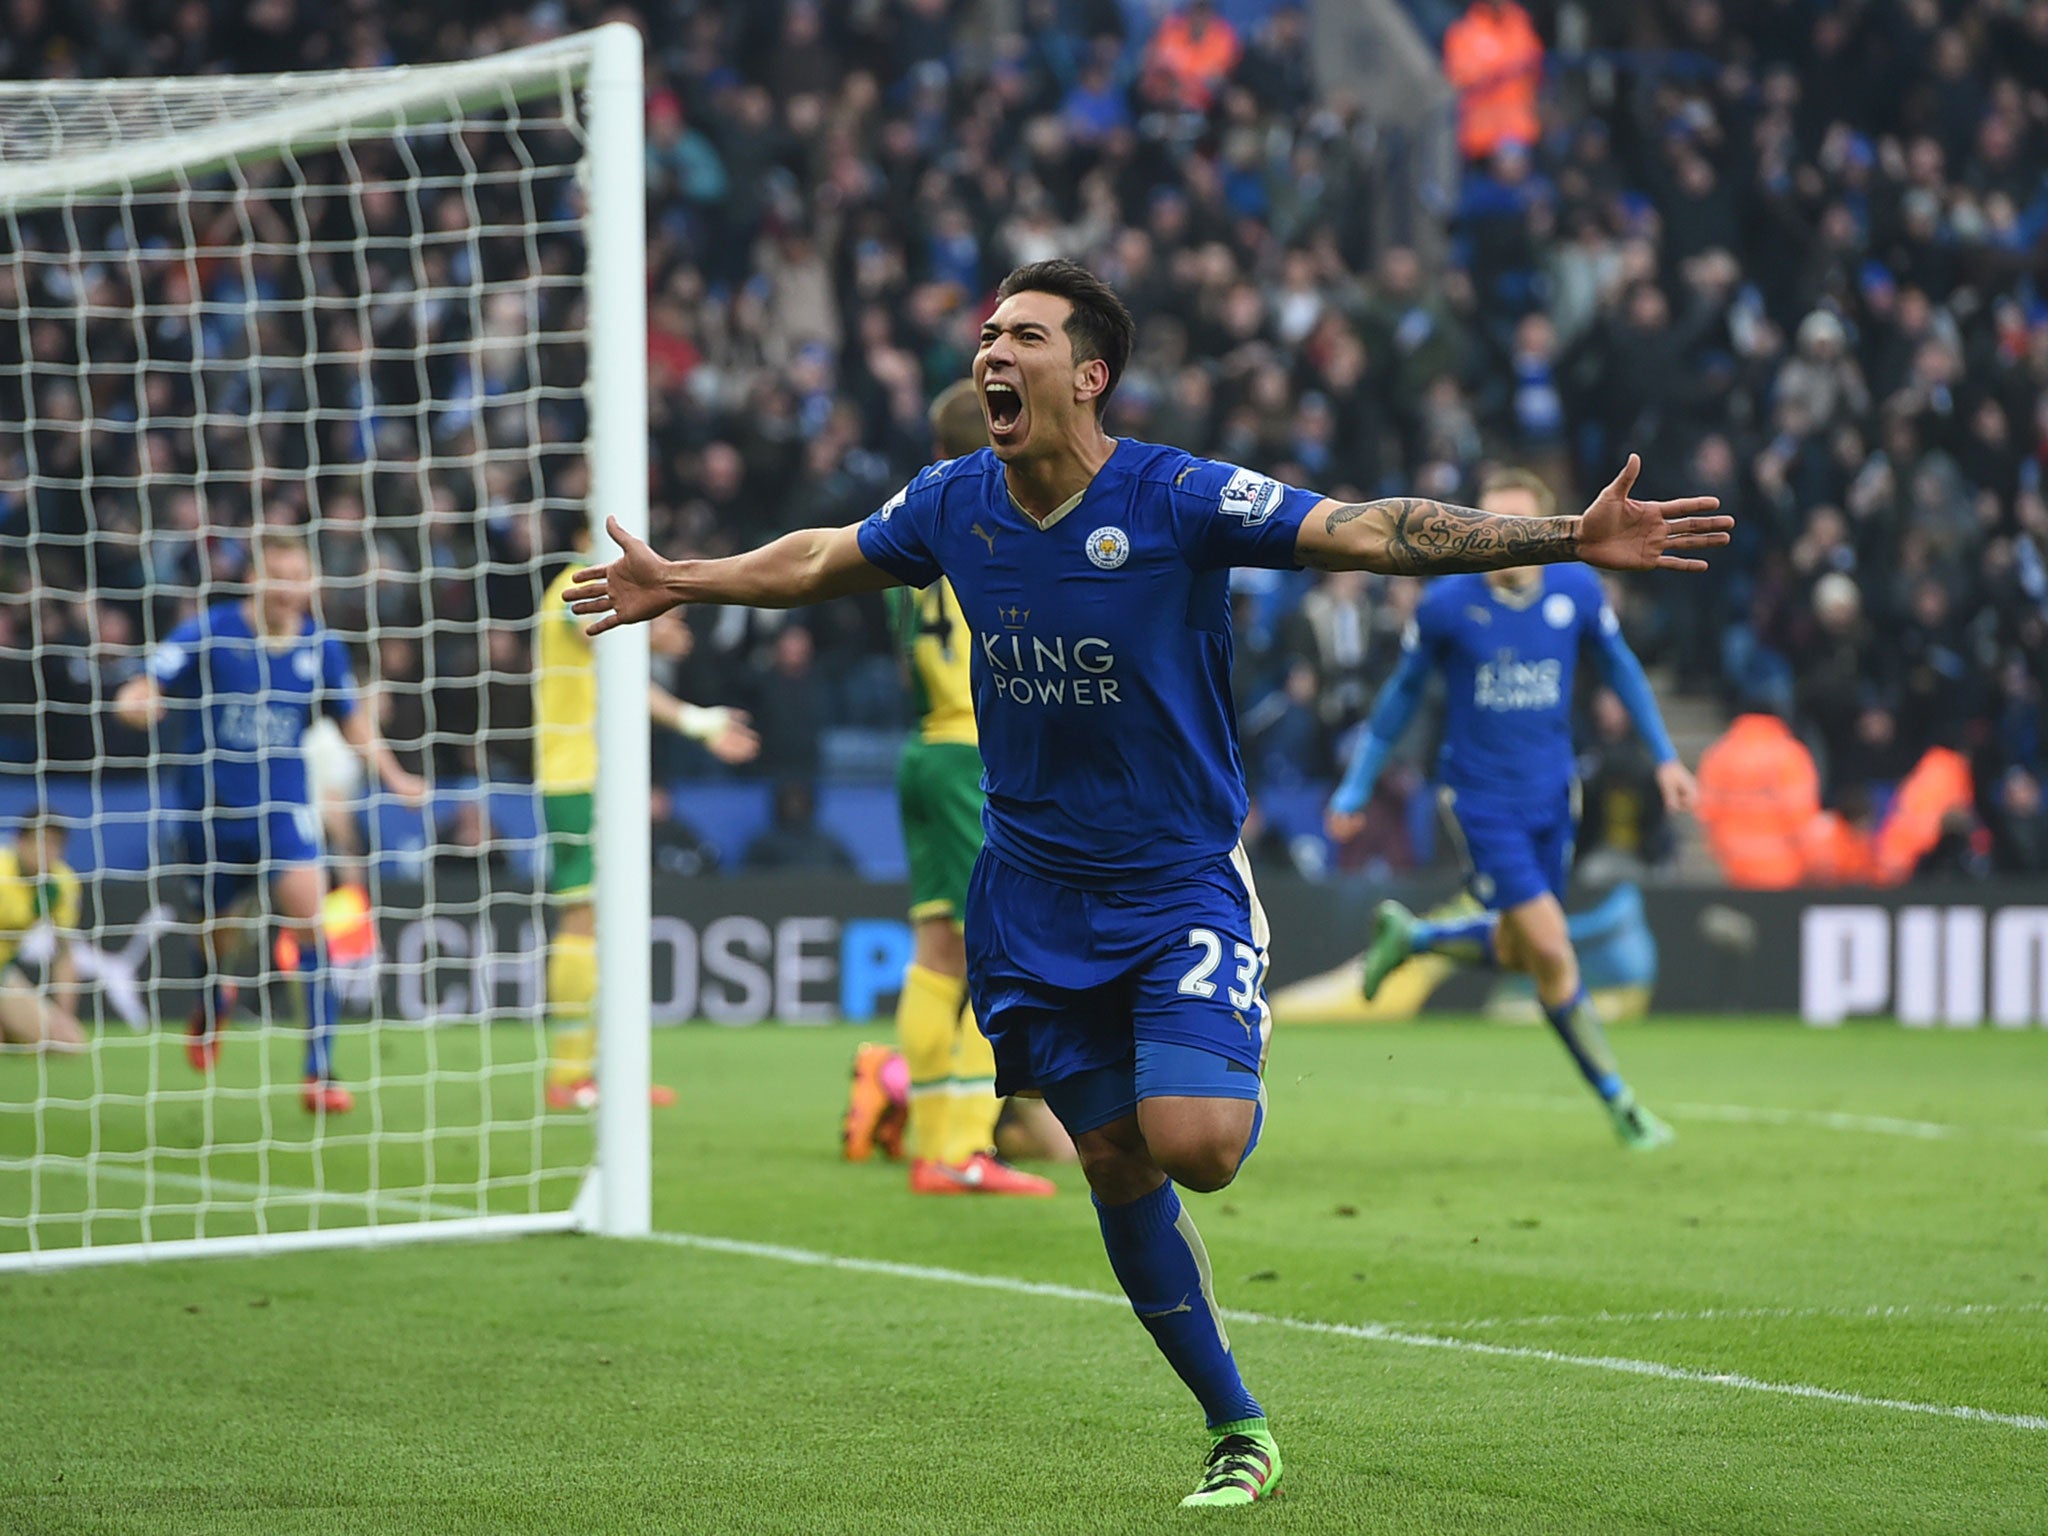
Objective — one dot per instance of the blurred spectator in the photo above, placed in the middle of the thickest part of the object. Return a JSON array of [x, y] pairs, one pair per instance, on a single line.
[[1192, 54], [1623, 828], [1840, 844], [788, 707], [1793, 257], [1930, 820], [1494, 60], [795, 841], [2019, 826], [1759, 792]]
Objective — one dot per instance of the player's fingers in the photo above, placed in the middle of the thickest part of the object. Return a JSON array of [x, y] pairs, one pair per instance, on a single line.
[[592, 605], [740, 717], [1674, 563], [591, 573], [1686, 506], [618, 532], [1624, 481], [1697, 538], [609, 621]]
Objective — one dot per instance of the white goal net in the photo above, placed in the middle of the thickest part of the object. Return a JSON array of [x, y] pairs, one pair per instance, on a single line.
[[307, 386]]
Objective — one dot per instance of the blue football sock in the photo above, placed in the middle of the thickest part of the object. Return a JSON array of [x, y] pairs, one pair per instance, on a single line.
[[322, 1007], [1467, 940], [1578, 1024], [1163, 1267]]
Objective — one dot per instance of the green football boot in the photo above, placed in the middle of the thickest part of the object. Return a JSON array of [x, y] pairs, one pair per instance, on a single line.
[[1393, 926], [1639, 1130], [1243, 1467]]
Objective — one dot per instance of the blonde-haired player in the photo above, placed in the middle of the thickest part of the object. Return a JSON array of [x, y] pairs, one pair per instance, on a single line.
[[565, 767], [953, 1105]]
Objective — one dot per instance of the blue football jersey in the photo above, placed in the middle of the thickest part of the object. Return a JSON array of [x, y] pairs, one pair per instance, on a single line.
[[1101, 650], [1508, 664], [239, 709]]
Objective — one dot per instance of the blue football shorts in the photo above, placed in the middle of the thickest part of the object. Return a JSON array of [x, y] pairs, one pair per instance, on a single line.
[[1513, 850], [1099, 999], [211, 862]]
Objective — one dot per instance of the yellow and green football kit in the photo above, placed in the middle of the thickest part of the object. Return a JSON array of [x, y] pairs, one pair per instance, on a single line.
[[953, 1106], [29, 901], [565, 767]]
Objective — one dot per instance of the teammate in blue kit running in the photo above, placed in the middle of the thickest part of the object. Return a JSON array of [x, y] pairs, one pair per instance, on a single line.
[[1116, 951], [1508, 646], [237, 685]]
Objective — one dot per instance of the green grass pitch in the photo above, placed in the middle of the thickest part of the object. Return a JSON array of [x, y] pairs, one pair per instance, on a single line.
[[1465, 1307]]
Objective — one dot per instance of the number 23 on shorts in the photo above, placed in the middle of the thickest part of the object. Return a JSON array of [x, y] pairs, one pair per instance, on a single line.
[[1251, 968]]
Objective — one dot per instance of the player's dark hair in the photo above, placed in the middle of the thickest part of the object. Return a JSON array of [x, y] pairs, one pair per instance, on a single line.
[[958, 427], [1099, 327]]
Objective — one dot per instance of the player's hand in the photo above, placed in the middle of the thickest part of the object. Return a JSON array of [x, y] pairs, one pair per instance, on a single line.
[[628, 590], [1680, 789], [1342, 826], [736, 743], [1619, 533], [409, 787]]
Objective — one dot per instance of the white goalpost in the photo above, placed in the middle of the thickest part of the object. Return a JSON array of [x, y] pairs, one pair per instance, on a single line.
[[402, 312]]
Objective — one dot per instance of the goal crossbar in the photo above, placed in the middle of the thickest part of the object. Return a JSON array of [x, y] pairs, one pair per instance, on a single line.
[[286, 114]]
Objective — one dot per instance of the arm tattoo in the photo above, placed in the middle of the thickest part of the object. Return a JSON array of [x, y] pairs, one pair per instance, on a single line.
[[1431, 538]]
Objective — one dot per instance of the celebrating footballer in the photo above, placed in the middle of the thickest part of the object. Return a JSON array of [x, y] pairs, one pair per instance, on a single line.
[[1116, 950]]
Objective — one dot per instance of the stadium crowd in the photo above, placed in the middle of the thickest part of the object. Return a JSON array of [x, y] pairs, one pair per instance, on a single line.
[[1791, 252]]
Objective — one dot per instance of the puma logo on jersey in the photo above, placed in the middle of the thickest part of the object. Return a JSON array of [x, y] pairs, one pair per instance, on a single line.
[[986, 537]]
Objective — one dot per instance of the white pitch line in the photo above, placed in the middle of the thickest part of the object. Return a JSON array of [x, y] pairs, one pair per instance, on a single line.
[[1876, 1311], [235, 1189], [1824, 1119], [1740, 1114], [1376, 1333]]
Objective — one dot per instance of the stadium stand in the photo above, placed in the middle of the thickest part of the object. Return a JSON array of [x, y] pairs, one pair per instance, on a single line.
[[1794, 254]]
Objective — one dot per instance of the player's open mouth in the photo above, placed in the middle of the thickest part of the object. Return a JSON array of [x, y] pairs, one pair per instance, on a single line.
[[1005, 408]]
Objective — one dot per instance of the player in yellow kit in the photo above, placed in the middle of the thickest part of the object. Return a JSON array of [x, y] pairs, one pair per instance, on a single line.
[[565, 767], [953, 1107], [38, 914]]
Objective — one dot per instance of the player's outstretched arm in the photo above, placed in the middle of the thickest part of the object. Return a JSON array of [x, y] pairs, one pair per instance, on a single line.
[[1408, 536], [1625, 675], [1391, 716], [807, 566]]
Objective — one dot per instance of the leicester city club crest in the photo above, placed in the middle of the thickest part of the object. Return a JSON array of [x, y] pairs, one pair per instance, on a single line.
[[1109, 548]]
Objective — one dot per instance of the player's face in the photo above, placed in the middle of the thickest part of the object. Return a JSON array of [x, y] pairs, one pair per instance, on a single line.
[[1031, 388], [284, 587], [39, 850]]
